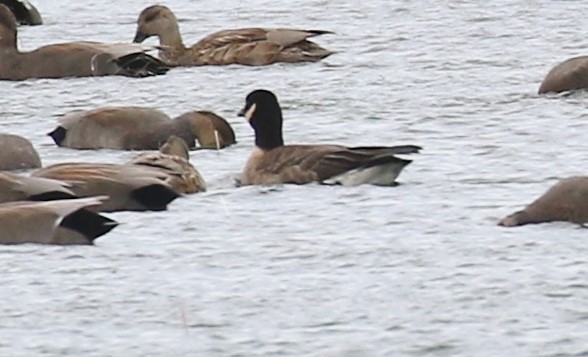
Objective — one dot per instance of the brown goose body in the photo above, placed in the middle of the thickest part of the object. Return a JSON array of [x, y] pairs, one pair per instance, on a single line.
[[247, 46], [567, 200], [17, 153], [272, 162], [128, 187], [139, 128], [328, 164], [568, 75], [20, 188], [63, 222], [74, 59], [173, 159]]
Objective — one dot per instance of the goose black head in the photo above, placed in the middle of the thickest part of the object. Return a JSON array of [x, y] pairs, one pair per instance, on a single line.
[[264, 114]]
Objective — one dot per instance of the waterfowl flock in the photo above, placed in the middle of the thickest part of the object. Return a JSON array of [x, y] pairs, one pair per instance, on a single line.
[[62, 203]]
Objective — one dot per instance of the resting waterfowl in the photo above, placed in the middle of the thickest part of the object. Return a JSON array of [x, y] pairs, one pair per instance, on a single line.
[[272, 162], [568, 75], [138, 128], [567, 200], [17, 153], [173, 158], [24, 12], [128, 187], [24, 188], [63, 222], [247, 46], [74, 59], [210, 130]]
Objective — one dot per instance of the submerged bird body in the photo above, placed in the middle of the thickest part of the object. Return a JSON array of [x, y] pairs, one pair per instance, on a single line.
[[247, 46], [17, 153], [567, 200], [568, 75], [63, 222], [272, 162], [74, 59]]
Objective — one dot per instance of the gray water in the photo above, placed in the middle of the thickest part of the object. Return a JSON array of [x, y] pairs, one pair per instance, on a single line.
[[416, 270]]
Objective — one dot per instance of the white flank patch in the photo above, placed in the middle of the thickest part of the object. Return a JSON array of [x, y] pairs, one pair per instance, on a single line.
[[381, 175]]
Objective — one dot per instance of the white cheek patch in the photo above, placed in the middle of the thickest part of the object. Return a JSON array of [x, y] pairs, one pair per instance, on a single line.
[[250, 111]]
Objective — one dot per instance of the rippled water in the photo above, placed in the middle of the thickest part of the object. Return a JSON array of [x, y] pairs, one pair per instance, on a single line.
[[419, 270]]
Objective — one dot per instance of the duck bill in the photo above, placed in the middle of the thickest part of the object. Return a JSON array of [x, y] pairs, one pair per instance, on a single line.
[[139, 37]]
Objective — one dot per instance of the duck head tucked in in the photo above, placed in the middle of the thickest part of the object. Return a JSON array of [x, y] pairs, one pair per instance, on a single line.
[[274, 162], [173, 159]]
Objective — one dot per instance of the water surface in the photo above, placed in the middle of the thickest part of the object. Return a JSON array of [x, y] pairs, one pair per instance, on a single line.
[[416, 270]]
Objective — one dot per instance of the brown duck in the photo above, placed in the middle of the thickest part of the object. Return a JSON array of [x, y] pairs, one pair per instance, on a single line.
[[74, 59], [247, 46], [272, 162]]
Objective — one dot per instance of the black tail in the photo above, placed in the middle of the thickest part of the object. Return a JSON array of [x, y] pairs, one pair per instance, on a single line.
[[320, 32], [90, 224], [58, 135], [51, 196], [155, 197], [141, 65], [25, 14], [398, 149]]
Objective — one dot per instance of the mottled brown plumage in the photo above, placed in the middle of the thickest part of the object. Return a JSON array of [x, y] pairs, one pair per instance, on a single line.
[[247, 46], [173, 159]]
